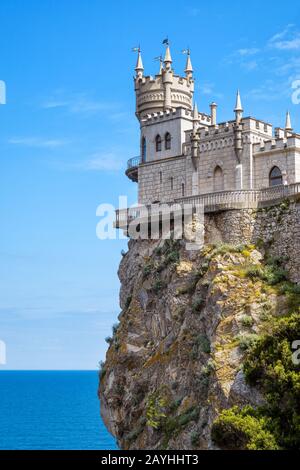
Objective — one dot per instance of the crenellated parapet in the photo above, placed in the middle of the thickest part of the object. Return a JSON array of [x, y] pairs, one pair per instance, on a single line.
[[278, 144], [164, 91]]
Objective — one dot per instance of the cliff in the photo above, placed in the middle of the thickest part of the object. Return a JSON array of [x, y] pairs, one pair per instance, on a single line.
[[193, 334]]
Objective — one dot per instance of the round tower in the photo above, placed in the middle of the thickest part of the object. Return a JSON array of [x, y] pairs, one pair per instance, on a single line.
[[164, 91]]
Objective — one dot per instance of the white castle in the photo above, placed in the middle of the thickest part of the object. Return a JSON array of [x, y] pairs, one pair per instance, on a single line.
[[186, 154]]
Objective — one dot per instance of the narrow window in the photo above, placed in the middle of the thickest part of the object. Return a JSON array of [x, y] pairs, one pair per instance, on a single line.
[[158, 143], [144, 149], [160, 177], [182, 189], [275, 177], [172, 182], [167, 141]]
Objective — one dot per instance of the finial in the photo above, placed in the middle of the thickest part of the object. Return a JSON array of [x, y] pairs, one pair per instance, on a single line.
[[288, 124], [160, 63], [168, 58]]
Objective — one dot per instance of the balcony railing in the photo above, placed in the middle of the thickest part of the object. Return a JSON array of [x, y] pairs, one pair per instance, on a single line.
[[212, 202], [133, 162]]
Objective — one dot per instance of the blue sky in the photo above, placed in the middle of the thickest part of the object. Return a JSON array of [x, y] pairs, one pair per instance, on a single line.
[[68, 129]]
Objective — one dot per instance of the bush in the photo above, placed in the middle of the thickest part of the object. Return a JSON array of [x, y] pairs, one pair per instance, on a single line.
[[247, 320], [247, 340], [203, 343], [269, 365], [243, 429], [108, 339]]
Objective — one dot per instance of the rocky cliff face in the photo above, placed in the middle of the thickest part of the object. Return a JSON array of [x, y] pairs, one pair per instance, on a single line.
[[175, 359]]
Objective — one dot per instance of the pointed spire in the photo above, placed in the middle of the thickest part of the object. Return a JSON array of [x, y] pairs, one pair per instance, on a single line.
[[188, 66], [288, 124], [238, 105], [168, 58], [139, 64]]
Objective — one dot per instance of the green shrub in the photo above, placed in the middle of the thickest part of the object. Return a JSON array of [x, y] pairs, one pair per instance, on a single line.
[[243, 429], [203, 343], [247, 340], [108, 339], [247, 320], [269, 365]]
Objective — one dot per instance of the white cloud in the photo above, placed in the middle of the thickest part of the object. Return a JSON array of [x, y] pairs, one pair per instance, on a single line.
[[285, 40], [246, 52], [100, 161], [78, 103], [37, 142]]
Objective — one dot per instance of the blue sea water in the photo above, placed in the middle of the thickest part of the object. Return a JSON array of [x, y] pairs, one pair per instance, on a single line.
[[51, 410]]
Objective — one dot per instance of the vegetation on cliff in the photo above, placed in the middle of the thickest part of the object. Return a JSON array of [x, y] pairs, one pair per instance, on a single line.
[[202, 355]]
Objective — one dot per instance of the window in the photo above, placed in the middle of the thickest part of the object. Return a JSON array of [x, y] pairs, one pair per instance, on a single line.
[[144, 149], [158, 143], [172, 182], [275, 177], [167, 141], [218, 179], [160, 177], [182, 189]]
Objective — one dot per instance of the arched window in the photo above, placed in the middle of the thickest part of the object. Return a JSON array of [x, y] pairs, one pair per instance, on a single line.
[[275, 177], [218, 179], [167, 141], [158, 143], [144, 149]]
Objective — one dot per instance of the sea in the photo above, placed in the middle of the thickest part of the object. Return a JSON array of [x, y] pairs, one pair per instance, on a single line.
[[51, 410]]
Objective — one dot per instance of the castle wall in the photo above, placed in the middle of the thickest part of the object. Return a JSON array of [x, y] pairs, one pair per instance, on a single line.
[[155, 182], [278, 228]]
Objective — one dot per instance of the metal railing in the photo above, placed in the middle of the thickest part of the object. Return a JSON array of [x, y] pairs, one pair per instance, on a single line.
[[236, 199], [133, 162]]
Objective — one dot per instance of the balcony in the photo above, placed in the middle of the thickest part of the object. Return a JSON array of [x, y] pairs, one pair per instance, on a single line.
[[132, 168], [213, 202]]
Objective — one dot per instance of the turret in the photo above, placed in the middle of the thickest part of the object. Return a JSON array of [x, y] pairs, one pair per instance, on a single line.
[[238, 144], [238, 108], [164, 91], [288, 124], [188, 67], [213, 113], [139, 69], [167, 78]]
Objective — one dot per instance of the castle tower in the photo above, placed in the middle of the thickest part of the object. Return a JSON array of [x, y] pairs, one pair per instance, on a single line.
[[165, 91]]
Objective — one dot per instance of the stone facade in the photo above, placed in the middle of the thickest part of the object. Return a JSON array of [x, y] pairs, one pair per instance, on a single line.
[[204, 156]]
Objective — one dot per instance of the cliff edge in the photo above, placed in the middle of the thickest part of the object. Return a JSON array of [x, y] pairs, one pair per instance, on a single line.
[[204, 343]]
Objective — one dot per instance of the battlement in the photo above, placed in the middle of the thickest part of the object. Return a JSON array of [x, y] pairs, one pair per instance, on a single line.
[[173, 113], [272, 145]]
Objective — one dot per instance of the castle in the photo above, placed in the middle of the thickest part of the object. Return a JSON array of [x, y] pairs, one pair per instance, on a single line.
[[189, 154]]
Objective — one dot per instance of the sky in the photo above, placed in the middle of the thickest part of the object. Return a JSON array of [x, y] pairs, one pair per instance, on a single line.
[[68, 127]]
